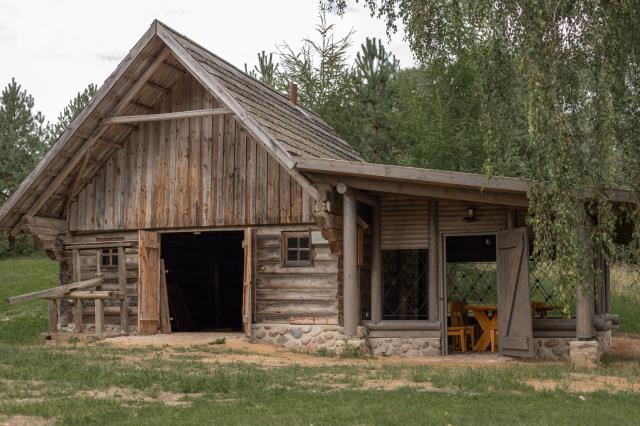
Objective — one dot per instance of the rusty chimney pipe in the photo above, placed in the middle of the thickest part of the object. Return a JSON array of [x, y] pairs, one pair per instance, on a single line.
[[293, 94]]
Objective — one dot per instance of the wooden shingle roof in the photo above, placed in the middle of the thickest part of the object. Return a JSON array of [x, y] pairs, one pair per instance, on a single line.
[[301, 131]]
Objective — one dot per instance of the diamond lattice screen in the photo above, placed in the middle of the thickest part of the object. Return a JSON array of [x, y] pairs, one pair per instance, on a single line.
[[405, 281]]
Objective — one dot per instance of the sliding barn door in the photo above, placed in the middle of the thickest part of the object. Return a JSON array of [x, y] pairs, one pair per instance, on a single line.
[[247, 289], [148, 282], [514, 308]]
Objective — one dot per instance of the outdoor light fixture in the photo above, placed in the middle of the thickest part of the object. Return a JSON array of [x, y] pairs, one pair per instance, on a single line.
[[471, 214]]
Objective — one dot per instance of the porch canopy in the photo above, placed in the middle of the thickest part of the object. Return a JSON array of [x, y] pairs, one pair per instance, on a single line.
[[367, 183]]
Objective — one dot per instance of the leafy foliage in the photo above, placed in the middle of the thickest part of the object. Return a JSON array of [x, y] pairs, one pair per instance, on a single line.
[[560, 101]]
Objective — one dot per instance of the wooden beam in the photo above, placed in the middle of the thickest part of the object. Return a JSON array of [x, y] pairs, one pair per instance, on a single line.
[[93, 295], [54, 292], [165, 116], [53, 316], [403, 325], [437, 192], [122, 285], [79, 156], [433, 261], [350, 268], [99, 315]]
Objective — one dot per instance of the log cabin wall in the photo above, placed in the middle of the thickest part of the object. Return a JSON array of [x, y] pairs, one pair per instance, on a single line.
[[295, 294], [196, 172], [89, 251]]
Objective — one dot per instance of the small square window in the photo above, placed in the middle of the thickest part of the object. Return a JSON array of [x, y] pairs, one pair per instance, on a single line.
[[298, 248], [109, 257]]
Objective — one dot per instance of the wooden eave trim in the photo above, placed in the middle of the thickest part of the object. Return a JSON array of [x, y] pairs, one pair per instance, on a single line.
[[412, 174], [443, 178], [216, 89], [62, 141], [426, 190]]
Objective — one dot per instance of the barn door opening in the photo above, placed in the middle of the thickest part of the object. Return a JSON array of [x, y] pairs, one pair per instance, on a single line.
[[204, 279], [514, 324]]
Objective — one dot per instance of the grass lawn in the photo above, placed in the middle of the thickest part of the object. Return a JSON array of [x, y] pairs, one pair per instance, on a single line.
[[99, 383]]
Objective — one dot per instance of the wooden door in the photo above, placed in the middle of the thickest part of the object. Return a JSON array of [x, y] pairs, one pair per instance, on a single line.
[[148, 282], [247, 289], [515, 328]]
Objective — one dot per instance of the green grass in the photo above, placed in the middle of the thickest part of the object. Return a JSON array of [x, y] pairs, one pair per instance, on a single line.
[[61, 381], [23, 322], [625, 286]]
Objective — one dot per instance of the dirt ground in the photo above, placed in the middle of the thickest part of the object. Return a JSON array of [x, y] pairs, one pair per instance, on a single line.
[[239, 349], [625, 347]]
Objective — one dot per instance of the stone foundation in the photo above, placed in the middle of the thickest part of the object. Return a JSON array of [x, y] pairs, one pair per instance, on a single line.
[[307, 337], [405, 346], [558, 348]]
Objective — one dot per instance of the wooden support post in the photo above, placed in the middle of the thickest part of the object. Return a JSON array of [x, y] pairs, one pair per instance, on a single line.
[[122, 284], [376, 267], [433, 261], [53, 316], [99, 315], [350, 268], [584, 313], [77, 276], [585, 305]]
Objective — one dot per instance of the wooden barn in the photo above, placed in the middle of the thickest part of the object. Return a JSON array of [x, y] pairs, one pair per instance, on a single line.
[[188, 196]]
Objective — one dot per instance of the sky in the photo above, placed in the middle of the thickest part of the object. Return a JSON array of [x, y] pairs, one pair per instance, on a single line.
[[54, 49]]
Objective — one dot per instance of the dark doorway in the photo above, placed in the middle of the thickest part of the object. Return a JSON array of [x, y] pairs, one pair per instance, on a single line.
[[204, 280]]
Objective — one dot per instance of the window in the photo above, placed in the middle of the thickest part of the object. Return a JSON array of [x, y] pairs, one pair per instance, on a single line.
[[109, 257], [296, 248], [405, 282]]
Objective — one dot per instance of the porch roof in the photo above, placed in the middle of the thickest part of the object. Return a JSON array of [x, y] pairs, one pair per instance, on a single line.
[[431, 183]]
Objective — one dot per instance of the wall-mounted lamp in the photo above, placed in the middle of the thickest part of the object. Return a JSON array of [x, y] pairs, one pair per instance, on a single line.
[[471, 214]]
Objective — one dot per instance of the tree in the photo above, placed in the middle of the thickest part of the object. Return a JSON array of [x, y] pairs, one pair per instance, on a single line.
[[319, 68], [569, 71], [266, 71], [21, 137], [70, 112], [372, 100]]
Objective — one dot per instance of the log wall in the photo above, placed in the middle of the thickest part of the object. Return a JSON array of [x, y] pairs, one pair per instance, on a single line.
[[197, 172], [295, 294]]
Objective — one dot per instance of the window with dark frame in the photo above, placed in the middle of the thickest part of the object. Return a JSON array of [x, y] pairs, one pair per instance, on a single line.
[[109, 257], [296, 248]]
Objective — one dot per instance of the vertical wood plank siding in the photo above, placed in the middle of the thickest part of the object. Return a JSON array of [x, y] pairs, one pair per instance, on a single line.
[[488, 217], [404, 223], [205, 171]]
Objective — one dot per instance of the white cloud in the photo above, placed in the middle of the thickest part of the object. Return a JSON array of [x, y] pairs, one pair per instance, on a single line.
[[55, 49]]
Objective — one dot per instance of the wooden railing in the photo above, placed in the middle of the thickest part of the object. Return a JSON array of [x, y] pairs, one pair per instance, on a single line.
[[77, 292]]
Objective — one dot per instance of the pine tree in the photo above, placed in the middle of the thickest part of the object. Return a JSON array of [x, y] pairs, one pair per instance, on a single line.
[[70, 112], [21, 137]]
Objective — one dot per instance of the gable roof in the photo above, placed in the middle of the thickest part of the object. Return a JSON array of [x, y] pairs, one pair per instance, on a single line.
[[162, 55], [301, 131]]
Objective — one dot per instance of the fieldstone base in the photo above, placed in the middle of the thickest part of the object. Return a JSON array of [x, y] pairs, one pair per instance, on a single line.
[[585, 353], [559, 348], [307, 337], [551, 348], [405, 346]]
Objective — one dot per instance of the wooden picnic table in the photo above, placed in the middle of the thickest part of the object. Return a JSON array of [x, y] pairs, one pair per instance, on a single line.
[[544, 310], [488, 325]]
